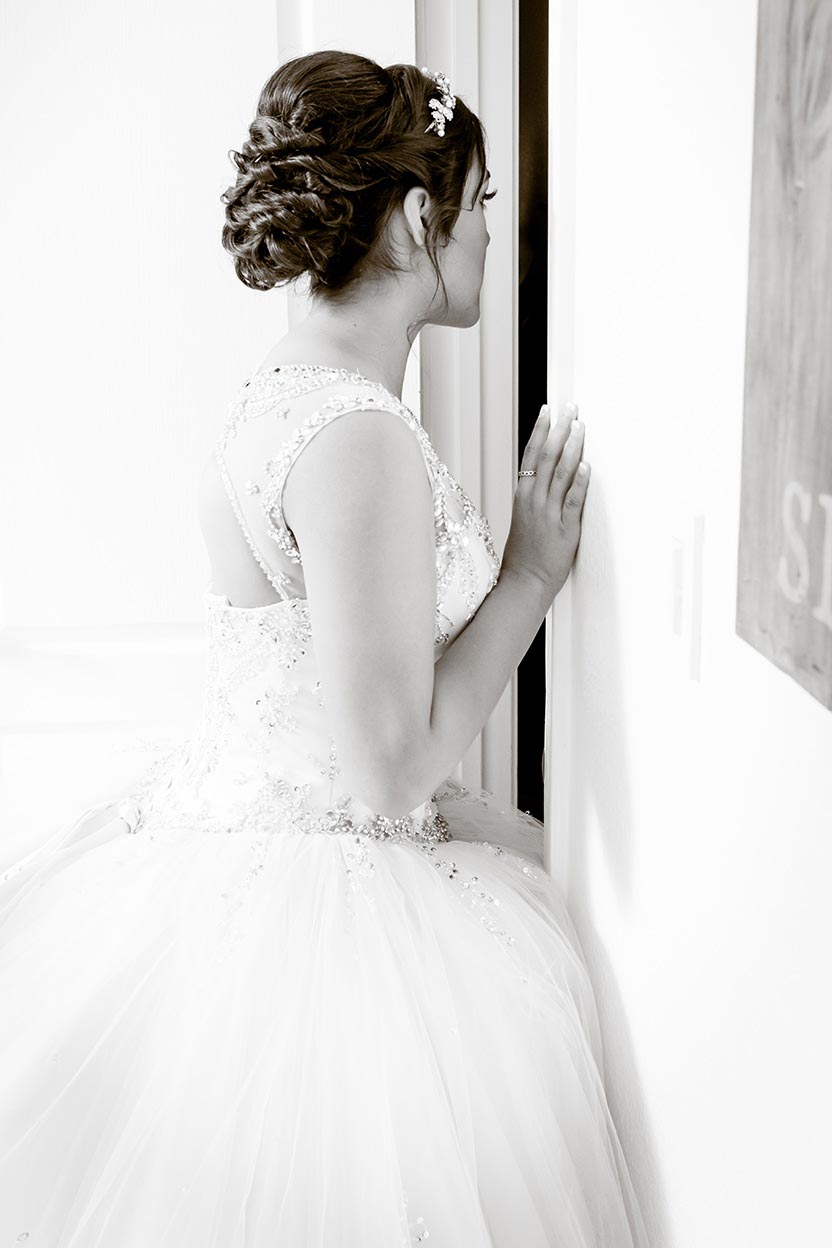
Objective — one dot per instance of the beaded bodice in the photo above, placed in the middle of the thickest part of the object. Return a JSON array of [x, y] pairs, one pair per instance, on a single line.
[[263, 757]]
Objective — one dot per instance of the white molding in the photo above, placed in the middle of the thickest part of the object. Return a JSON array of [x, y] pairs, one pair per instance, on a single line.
[[563, 24], [499, 451], [468, 376]]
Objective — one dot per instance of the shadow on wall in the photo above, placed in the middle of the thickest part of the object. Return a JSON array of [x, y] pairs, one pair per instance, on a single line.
[[600, 716]]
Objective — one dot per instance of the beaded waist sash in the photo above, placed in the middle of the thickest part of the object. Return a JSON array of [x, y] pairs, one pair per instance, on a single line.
[[168, 796], [432, 829]]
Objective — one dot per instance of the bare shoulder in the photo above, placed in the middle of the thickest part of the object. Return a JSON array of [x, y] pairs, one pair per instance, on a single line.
[[364, 448]]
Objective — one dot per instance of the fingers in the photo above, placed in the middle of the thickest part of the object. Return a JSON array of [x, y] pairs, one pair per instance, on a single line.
[[535, 442], [573, 503], [559, 454], [545, 444], [566, 468]]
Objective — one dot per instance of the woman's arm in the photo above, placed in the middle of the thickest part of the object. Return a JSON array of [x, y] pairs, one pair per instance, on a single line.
[[470, 677], [359, 502]]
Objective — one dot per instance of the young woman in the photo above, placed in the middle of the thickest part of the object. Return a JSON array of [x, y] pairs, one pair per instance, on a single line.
[[301, 990]]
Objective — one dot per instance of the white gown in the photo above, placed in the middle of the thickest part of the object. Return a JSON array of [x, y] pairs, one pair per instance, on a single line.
[[239, 1010]]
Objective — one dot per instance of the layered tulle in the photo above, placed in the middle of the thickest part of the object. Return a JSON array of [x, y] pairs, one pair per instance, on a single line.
[[216, 1041]]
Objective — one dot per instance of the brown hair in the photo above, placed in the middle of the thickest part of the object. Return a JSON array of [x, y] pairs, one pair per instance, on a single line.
[[336, 143]]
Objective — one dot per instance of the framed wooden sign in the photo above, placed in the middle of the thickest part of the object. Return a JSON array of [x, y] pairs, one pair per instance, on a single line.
[[784, 586]]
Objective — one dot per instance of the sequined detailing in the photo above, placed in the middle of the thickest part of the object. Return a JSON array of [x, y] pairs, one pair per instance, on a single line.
[[331, 770], [418, 1231], [280, 581], [263, 761], [261, 682], [476, 898], [268, 389], [278, 467], [359, 869], [273, 709], [414, 1229], [236, 898], [455, 536], [465, 551], [282, 808], [256, 398]]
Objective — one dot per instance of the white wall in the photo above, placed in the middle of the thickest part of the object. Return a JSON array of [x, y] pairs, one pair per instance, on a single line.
[[700, 855], [124, 333]]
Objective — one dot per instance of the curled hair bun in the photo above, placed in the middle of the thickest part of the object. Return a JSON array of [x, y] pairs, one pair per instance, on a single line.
[[272, 136], [336, 142], [282, 218]]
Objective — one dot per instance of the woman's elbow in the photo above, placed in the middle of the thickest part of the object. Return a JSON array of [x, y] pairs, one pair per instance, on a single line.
[[392, 781]]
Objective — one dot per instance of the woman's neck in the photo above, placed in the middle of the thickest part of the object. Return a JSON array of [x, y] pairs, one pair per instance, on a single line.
[[373, 340]]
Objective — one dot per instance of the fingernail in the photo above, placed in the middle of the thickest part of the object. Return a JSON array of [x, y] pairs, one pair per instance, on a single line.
[[571, 409]]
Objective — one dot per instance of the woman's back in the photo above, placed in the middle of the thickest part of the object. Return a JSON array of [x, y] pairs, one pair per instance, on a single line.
[[273, 419], [265, 730]]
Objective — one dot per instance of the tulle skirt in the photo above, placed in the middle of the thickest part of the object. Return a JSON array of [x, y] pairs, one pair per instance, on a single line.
[[299, 1041]]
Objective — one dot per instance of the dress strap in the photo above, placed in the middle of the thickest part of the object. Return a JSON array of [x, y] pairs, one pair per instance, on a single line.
[[280, 581], [274, 417]]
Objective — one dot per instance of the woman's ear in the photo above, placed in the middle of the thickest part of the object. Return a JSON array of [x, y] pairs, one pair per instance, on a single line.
[[415, 207]]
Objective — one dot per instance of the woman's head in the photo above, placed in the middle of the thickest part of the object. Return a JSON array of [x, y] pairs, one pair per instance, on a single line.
[[339, 169]]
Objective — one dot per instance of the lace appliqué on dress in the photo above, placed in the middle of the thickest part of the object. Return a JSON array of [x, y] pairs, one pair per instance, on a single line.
[[278, 806], [459, 526], [277, 468], [264, 394], [455, 563], [257, 671], [475, 897]]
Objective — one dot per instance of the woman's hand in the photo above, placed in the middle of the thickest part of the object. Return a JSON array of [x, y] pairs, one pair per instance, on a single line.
[[548, 508]]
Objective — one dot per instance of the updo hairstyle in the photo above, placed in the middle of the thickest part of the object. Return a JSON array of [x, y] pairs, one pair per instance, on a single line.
[[336, 144]]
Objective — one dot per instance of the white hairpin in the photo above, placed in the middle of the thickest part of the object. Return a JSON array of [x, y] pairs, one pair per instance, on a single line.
[[441, 110]]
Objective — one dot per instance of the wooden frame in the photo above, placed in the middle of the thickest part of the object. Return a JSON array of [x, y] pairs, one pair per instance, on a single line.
[[784, 573]]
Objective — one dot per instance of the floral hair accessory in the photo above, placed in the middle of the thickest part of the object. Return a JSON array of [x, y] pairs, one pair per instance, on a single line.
[[441, 110]]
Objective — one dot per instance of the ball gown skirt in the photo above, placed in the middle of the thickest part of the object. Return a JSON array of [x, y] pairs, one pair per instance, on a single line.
[[319, 1040]]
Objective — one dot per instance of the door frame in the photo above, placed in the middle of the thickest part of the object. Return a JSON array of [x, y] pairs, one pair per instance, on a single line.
[[463, 383], [469, 376]]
